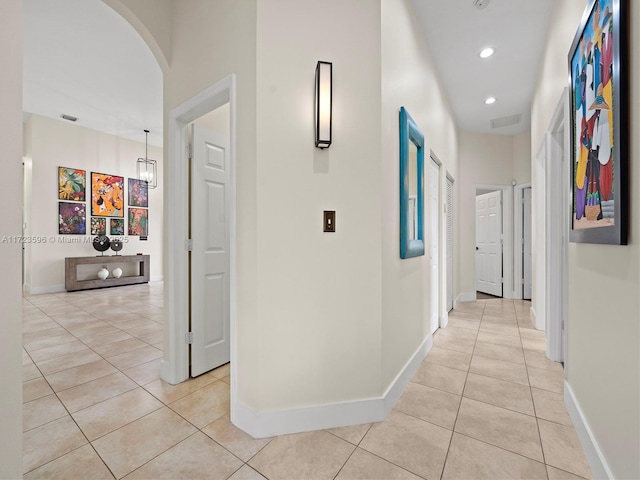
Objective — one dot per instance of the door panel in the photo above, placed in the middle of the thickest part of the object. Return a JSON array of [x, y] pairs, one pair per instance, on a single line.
[[210, 264], [489, 243]]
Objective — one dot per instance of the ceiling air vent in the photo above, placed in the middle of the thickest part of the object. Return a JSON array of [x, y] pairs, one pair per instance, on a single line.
[[506, 121], [481, 4], [64, 116]]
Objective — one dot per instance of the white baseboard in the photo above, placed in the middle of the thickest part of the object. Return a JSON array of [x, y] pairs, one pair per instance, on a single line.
[[340, 414], [465, 297], [592, 451], [45, 289], [156, 278], [537, 322]]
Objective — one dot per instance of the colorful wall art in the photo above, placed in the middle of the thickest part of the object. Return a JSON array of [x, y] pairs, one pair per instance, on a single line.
[[71, 184], [138, 193], [117, 226], [138, 222], [599, 133], [107, 195], [98, 226], [71, 218]]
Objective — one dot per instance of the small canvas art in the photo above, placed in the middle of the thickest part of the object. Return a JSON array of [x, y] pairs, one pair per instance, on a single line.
[[98, 226], [71, 184], [138, 193], [138, 222], [71, 218], [117, 226], [107, 195]]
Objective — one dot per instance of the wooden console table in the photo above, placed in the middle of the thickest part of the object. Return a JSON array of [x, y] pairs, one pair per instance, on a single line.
[[71, 282]]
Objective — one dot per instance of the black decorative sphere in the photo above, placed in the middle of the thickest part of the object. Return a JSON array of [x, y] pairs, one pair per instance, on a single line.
[[116, 245], [101, 243]]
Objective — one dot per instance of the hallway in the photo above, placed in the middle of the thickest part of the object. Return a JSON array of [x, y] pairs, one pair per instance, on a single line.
[[485, 403]]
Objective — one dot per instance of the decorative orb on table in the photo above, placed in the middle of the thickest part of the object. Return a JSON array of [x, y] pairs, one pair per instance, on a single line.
[[116, 245], [103, 273], [101, 243], [116, 272]]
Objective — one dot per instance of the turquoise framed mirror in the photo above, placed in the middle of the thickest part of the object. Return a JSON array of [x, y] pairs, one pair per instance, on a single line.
[[411, 187]]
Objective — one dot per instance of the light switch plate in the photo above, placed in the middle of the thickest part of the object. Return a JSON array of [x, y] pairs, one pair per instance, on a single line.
[[329, 221]]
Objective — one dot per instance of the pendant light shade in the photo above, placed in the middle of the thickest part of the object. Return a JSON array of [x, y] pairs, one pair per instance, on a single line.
[[147, 168]]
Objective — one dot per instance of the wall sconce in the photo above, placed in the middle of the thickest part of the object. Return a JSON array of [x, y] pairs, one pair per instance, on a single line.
[[324, 87], [147, 168]]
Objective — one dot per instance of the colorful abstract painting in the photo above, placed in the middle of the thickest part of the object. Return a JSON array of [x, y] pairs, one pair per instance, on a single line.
[[599, 125], [98, 226], [71, 218], [138, 222], [138, 193], [117, 226], [107, 195], [71, 184]]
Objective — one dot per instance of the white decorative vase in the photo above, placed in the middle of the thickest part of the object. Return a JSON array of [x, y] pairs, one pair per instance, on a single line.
[[103, 273], [116, 272]]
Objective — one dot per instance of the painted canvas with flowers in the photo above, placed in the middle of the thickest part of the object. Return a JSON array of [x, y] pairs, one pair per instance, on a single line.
[[72, 218], [71, 184]]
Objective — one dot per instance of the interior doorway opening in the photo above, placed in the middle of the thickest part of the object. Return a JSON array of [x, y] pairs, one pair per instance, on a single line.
[[494, 241]]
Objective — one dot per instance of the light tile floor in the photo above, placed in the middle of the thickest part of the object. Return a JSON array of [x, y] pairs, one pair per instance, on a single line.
[[485, 403]]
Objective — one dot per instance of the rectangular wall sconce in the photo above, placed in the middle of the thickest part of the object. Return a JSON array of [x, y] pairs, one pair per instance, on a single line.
[[324, 87]]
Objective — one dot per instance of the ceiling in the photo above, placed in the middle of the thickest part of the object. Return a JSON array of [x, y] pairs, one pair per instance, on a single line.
[[82, 59], [456, 32]]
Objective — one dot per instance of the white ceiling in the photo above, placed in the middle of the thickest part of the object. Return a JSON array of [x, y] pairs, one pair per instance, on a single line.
[[456, 32], [83, 59]]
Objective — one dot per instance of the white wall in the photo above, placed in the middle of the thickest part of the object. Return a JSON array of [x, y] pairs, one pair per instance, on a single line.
[[319, 293], [522, 157], [604, 281], [11, 30], [56, 143], [409, 80]]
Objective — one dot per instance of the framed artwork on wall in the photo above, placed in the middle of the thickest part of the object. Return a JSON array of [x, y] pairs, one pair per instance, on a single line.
[[107, 195], [599, 125], [138, 193], [117, 226], [71, 218], [98, 226], [72, 184], [138, 222]]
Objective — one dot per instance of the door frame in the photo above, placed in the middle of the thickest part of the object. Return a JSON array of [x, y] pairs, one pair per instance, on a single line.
[[556, 173], [507, 235], [174, 367], [518, 233], [442, 321]]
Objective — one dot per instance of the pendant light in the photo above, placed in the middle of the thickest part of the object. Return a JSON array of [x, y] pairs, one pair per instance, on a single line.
[[147, 168]]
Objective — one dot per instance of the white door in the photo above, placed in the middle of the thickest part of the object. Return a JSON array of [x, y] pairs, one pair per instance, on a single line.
[[526, 244], [210, 212], [489, 243], [449, 244], [434, 250]]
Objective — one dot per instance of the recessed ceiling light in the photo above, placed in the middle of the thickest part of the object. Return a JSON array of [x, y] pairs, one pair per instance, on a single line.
[[487, 52], [490, 100]]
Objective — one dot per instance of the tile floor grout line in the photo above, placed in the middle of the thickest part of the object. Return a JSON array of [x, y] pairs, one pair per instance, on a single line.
[[466, 377]]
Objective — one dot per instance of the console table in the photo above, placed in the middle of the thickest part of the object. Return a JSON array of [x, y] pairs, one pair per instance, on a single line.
[[71, 282]]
